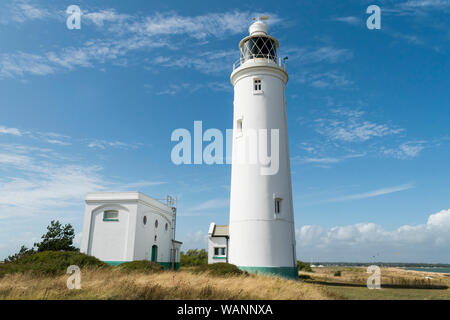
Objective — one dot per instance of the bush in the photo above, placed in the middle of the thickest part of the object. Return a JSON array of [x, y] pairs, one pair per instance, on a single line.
[[220, 269], [50, 262], [193, 257], [337, 273], [141, 265], [23, 252], [302, 266]]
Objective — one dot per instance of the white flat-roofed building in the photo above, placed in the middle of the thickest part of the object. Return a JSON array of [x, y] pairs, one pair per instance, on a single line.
[[128, 226]]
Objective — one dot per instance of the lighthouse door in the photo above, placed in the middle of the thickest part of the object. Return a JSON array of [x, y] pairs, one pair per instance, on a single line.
[[154, 253]]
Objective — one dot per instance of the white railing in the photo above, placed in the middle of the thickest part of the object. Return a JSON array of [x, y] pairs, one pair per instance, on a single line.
[[281, 63]]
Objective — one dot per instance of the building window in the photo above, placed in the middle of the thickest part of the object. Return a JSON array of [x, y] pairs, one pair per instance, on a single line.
[[278, 205], [156, 223], [257, 86], [219, 251], [111, 215], [167, 226], [144, 220], [239, 126], [156, 238]]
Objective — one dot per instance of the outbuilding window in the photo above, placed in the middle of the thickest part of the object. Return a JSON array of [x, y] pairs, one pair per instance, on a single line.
[[219, 251], [111, 215]]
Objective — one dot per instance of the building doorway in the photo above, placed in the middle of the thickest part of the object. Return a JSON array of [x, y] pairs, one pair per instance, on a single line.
[[154, 253]]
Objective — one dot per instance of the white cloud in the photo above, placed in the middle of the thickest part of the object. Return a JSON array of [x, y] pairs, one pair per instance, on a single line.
[[103, 144], [368, 241], [13, 131], [374, 193], [324, 80], [195, 240], [183, 88], [127, 33], [326, 54], [425, 4], [22, 11], [347, 125], [199, 27], [44, 189], [352, 20], [407, 150], [20, 64], [211, 205], [108, 15], [206, 62]]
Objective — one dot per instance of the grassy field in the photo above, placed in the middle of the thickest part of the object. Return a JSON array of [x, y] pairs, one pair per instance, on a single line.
[[396, 284], [322, 284]]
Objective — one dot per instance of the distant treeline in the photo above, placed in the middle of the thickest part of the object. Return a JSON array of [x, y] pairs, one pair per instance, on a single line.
[[384, 264]]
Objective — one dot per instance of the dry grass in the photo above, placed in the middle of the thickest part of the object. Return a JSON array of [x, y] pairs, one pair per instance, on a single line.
[[113, 284], [395, 283]]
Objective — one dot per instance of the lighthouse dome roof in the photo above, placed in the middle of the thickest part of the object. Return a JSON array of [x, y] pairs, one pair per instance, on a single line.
[[258, 28]]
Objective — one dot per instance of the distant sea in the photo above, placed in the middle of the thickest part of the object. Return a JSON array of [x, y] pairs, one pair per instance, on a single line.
[[437, 269]]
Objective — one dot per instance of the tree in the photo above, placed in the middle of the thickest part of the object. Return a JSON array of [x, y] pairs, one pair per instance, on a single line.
[[193, 257], [23, 252], [57, 238]]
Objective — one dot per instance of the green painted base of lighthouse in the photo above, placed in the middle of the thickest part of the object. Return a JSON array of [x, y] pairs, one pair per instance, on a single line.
[[285, 272]]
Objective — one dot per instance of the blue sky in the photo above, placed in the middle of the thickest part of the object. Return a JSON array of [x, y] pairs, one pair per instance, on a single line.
[[368, 115]]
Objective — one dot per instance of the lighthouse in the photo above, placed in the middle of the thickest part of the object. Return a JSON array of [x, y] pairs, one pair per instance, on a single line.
[[261, 228]]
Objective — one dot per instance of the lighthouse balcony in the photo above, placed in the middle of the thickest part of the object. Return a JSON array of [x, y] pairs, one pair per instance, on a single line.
[[259, 58]]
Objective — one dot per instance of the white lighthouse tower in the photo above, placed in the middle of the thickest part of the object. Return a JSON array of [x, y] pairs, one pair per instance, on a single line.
[[261, 229]]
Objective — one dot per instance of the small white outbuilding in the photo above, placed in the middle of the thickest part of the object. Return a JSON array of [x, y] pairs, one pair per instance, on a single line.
[[218, 237], [128, 226]]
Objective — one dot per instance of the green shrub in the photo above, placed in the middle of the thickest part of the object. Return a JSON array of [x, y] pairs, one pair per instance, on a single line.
[[23, 252], [193, 257], [337, 273], [219, 269], [141, 265], [50, 262], [302, 266]]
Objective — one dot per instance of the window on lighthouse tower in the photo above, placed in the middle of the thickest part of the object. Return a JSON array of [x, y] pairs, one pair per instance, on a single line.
[[257, 86], [278, 205]]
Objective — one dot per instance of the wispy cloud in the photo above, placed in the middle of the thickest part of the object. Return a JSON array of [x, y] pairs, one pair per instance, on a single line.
[[103, 144], [324, 80], [349, 126], [352, 20], [12, 131], [407, 150], [327, 160], [173, 89], [205, 62], [211, 205], [127, 33], [324, 54], [22, 11], [374, 193]]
